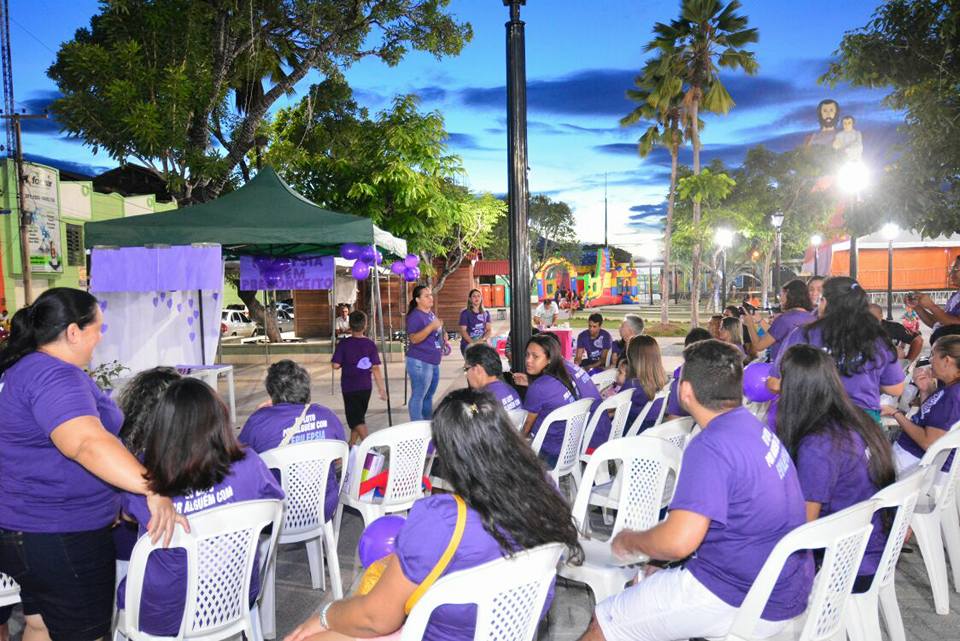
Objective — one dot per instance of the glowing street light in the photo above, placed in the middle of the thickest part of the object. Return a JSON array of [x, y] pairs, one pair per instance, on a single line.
[[890, 231], [853, 178], [723, 237]]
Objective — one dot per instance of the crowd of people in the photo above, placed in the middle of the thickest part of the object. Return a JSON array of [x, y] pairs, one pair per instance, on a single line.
[[84, 477]]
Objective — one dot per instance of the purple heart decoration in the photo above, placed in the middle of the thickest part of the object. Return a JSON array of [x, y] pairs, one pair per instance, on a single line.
[[103, 328], [103, 305], [196, 313], [193, 336], [190, 303], [163, 295], [190, 320], [156, 301], [179, 307], [169, 303], [216, 295]]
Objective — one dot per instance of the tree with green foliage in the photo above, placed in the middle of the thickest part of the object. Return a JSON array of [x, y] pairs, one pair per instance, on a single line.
[[184, 86], [706, 37], [658, 90], [911, 47]]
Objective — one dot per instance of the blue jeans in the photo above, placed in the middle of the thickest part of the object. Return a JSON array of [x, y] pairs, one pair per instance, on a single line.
[[424, 378]]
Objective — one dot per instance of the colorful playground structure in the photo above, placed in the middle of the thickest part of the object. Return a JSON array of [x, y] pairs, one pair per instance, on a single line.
[[605, 283]]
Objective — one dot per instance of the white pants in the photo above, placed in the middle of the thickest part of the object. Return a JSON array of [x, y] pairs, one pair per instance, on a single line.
[[670, 605], [904, 461]]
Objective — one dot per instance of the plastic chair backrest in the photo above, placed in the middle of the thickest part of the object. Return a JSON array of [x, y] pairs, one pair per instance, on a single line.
[[408, 444], [903, 496], [646, 467], [935, 456], [9, 590], [604, 379], [574, 417], [509, 594], [620, 403], [304, 468], [660, 396], [220, 548], [678, 431], [843, 537], [518, 417]]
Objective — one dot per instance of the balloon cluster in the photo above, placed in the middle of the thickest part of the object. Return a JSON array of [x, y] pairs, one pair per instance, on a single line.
[[408, 268], [365, 256]]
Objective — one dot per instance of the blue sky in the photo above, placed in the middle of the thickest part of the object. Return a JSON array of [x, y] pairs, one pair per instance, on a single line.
[[581, 57]]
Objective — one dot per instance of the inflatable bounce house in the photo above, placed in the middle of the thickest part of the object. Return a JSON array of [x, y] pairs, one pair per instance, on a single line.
[[605, 283]]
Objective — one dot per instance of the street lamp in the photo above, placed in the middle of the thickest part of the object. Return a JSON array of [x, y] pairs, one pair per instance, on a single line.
[[816, 240], [890, 231], [776, 219], [650, 253], [854, 178], [724, 239]]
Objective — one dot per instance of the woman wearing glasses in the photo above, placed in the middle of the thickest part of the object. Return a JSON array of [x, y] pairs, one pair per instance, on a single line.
[[944, 320]]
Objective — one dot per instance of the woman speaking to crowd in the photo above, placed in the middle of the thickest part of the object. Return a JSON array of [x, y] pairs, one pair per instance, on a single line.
[[62, 467]]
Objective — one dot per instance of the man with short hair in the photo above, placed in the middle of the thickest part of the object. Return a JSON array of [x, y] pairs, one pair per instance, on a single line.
[[483, 369], [593, 344], [546, 313], [737, 495], [631, 326]]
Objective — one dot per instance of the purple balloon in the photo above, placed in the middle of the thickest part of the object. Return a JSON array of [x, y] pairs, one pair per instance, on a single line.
[[411, 274], [360, 270], [379, 539], [350, 251], [755, 382], [368, 254], [412, 260], [379, 258], [398, 267]]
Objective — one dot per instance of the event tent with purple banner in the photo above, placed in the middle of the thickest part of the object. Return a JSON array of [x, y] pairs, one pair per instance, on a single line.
[[264, 218]]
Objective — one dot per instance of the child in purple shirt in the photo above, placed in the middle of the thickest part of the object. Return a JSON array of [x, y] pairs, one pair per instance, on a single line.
[[192, 457], [841, 455], [357, 358]]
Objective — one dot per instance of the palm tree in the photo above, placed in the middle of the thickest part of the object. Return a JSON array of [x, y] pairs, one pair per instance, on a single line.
[[707, 36], [659, 92]]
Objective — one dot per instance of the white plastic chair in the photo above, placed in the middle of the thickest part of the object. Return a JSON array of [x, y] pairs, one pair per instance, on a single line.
[[518, 417], [646, 467], [660, 396], [221, 548], [620, 403], [509, 593], [9, 590], [304, 470], [863, 614], [843, 537], [408, 444], [935, 521], [604, 379], [678, 431], [574, 417]]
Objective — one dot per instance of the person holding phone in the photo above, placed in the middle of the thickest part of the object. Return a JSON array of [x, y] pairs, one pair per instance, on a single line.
[[943, 320]]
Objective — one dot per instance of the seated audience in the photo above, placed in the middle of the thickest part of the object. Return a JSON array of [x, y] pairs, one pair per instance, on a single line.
[[909, 344], [631, 326], [593, 344], [343, 321], [865, 358], [943, 320], [737, 495], [731, 331], [484, 371], [289, 417], [644, 374], [939, 405], [841, 454], [674, 409], [797, 307], [192, 457], [510, 506]]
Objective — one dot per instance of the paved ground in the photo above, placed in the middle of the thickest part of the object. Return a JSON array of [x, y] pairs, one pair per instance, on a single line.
[[571, 611]]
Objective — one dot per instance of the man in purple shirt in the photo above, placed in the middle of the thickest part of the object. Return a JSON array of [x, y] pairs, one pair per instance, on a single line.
[[484, 371], [593, 344], [737, 495]]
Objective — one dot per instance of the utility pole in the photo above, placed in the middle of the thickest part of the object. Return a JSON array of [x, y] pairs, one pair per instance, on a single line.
[[605, 245]]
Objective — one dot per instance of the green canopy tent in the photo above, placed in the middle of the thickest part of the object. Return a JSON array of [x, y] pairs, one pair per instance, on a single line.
[[265, 217]]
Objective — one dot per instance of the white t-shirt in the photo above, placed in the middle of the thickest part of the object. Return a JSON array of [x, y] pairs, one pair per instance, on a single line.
[[547, 312]]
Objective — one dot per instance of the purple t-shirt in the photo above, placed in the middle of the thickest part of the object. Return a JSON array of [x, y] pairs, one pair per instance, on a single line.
[[41, 490], [545, 395], [737, 474], [356, 356], [782, 325], [429, 349], [165, 579], [593, 346], [476, 324], [638, 401], [952, 307], [586, 388], [507, 396], [266, 428], [836, 474], [863, 388], [940, 410], [673, 399], [420, 543]]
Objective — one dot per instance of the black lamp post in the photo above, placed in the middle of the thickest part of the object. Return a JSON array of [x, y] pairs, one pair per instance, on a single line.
[[776, 219], [816, 240], [517, 194], [724, 239], [890, 231]]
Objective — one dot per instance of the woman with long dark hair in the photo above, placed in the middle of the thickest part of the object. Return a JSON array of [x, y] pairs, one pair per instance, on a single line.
[[474, 326], [865, 358], [796, 305], [549, 387], [192, 457], [428, 342], [62, 466], [841, 455], [510, 507], [645, 376], [939, 405]]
